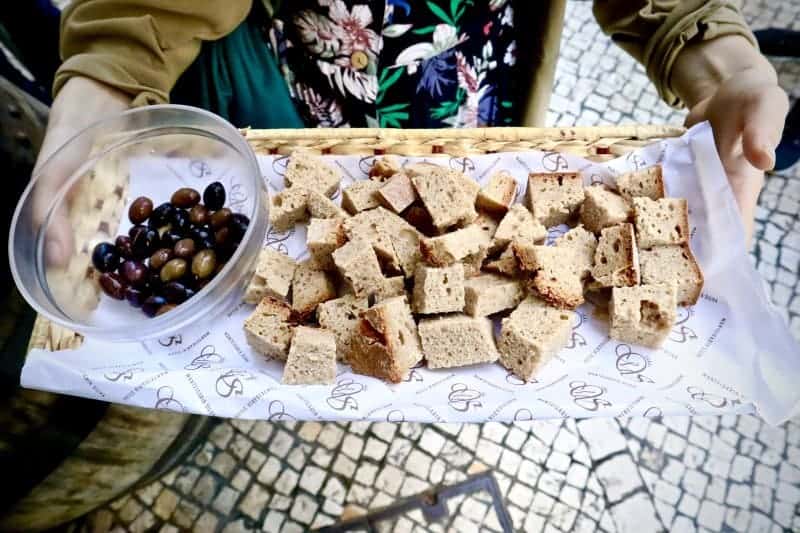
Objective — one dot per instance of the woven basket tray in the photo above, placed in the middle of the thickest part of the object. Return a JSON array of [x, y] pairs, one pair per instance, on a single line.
[[597, 143]]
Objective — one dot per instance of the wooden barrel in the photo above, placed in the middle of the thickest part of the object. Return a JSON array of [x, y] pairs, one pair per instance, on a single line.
[[62, 456]]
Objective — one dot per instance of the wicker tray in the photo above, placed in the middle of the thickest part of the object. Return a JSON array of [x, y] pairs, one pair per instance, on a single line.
[[595, 143]]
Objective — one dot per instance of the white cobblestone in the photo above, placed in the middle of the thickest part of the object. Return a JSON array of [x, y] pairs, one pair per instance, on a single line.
[[711, 515], [667, 492], [619, 477], [737, 519], [695, 482], [742, 468], [636, 514], [674, 445], [689, 505], [603, 436], [739, 495], [683, 524]]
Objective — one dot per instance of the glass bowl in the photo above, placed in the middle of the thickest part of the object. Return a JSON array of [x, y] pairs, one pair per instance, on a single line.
[[80, 197]]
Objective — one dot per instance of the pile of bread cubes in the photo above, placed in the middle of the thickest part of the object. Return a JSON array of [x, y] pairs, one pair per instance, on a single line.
[[419, 258]]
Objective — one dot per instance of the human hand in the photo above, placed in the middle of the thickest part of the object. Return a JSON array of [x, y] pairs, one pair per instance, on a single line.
[[727, 82], [80, 103]]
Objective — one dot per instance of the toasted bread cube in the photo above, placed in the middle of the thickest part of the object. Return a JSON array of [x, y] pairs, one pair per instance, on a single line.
[[395, 241], [310, 286], [518, 224], [360, 196], [648, 182], [506, 264], [358, 265], [310, 172], [584, 243], [556, 272], [387, 344], [498, 194], [384, 167], [616, 260], [531, 336], [320, 206], [473, 263], [273, 276], [287, 208], [323, 237], [312, 358], [643, 314], [448, 197], [603, 208], [340, 316], [406, 244], [418, 216], [488, 294], [397, 193], [554, 198], [487, 224], [661, 222], [673, 264], [457, 340], [454, 246], [438, 290], [268, 329], [391, 287]]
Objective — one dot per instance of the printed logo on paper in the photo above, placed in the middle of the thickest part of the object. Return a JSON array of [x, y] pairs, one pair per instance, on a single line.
[[231, 382], [208, 357], [165, 399], [632, 364], [462, 398], [681, 333], [587, 396], [343, 395]]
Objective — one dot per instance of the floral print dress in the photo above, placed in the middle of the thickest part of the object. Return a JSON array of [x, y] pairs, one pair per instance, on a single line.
[[399, 63]]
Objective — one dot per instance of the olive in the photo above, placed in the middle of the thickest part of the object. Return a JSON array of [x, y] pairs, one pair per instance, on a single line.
[[134, 272], [140, 210], [112, 285], [223, 236], [152, 304], [238, 226], [221, 218], [105, 257], [199, 215], [174, 269], [200, 235], [166, 308], [204, 263], [124, 248], [180, 222], [176, 292], [184, 248], [169, 239], [214, 196], [161, 215], [185, 197], [154, 283], [144, 241], [135, 297], [160, 258]]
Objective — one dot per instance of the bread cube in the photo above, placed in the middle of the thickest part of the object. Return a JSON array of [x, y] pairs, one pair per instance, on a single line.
[[505, 264], [268, 329], [287, 208], [273, 276], [323, 237], [554, 198], [616, 259], [310, 286], [518, 224], [556, 272], [473, 263], [384, 167], [340, 316], [454, 246], [397, 193], [387, 344], [673, 264], [438, 290], [448, 195], [603, 208], [457, 340], [487, 225], [489, 293], [531, 336], [358, 265], [584, 243], [647, 182], [661, 222], [360, 196], [312, 358], [320, 206], [309, 172], [395, 241], [643, 314], [498, 194], [390, 287]]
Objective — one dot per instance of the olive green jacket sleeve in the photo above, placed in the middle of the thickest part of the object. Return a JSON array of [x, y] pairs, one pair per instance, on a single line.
[[655, 31], [141, 47]]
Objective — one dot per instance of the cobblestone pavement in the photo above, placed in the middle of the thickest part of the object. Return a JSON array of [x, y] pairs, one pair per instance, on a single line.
[[680, 474]]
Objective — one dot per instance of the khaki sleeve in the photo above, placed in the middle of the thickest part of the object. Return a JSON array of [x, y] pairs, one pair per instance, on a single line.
[[140, 47], [655, 31]]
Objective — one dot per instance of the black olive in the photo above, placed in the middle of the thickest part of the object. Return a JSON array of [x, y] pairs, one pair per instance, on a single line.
[[144, 241], [180, 222], [175, 292], [152, 304], [161, 215], [214, 196], [105, 257], [135, 297], [169, 239]]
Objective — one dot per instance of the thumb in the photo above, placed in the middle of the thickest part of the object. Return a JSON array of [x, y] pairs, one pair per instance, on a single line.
[[764, 119]]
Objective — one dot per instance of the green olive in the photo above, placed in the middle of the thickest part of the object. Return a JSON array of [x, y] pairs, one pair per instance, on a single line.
[[204, 263], [174, 269]]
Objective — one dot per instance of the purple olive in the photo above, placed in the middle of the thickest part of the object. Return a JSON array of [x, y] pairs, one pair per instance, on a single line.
[[112, 285], [152, 304], [134, 272]]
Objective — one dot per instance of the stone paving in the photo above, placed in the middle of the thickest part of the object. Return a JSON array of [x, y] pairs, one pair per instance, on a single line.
[[730, 473]]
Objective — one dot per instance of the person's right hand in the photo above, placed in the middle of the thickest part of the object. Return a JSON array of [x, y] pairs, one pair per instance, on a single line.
[[80, 102]]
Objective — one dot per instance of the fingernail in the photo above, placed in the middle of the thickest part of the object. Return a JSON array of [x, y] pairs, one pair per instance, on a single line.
[[770, 151]]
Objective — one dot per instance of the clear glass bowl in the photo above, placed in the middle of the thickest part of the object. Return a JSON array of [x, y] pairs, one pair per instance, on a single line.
[[80, 197]]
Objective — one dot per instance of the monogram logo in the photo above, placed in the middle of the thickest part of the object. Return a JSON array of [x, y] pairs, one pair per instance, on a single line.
[[208, 357], [365, 164], [630, 363], [126, 375], [554, 161], [596, 179], [165, 399], [279, 165], [636, 161], [277, 240], [714, 400], [395, 415], [171, 340], [414, 375], [513, 379], [680, 332], [230, 382], [653, 412], [462, 398], [462, 164], [343, 395], [199, 168], [237, 197], [588, 396], [577, 339], [276, 412], [523, 415]]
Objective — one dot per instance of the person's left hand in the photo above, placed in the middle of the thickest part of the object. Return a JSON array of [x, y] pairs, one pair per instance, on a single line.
[[740, 96]]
